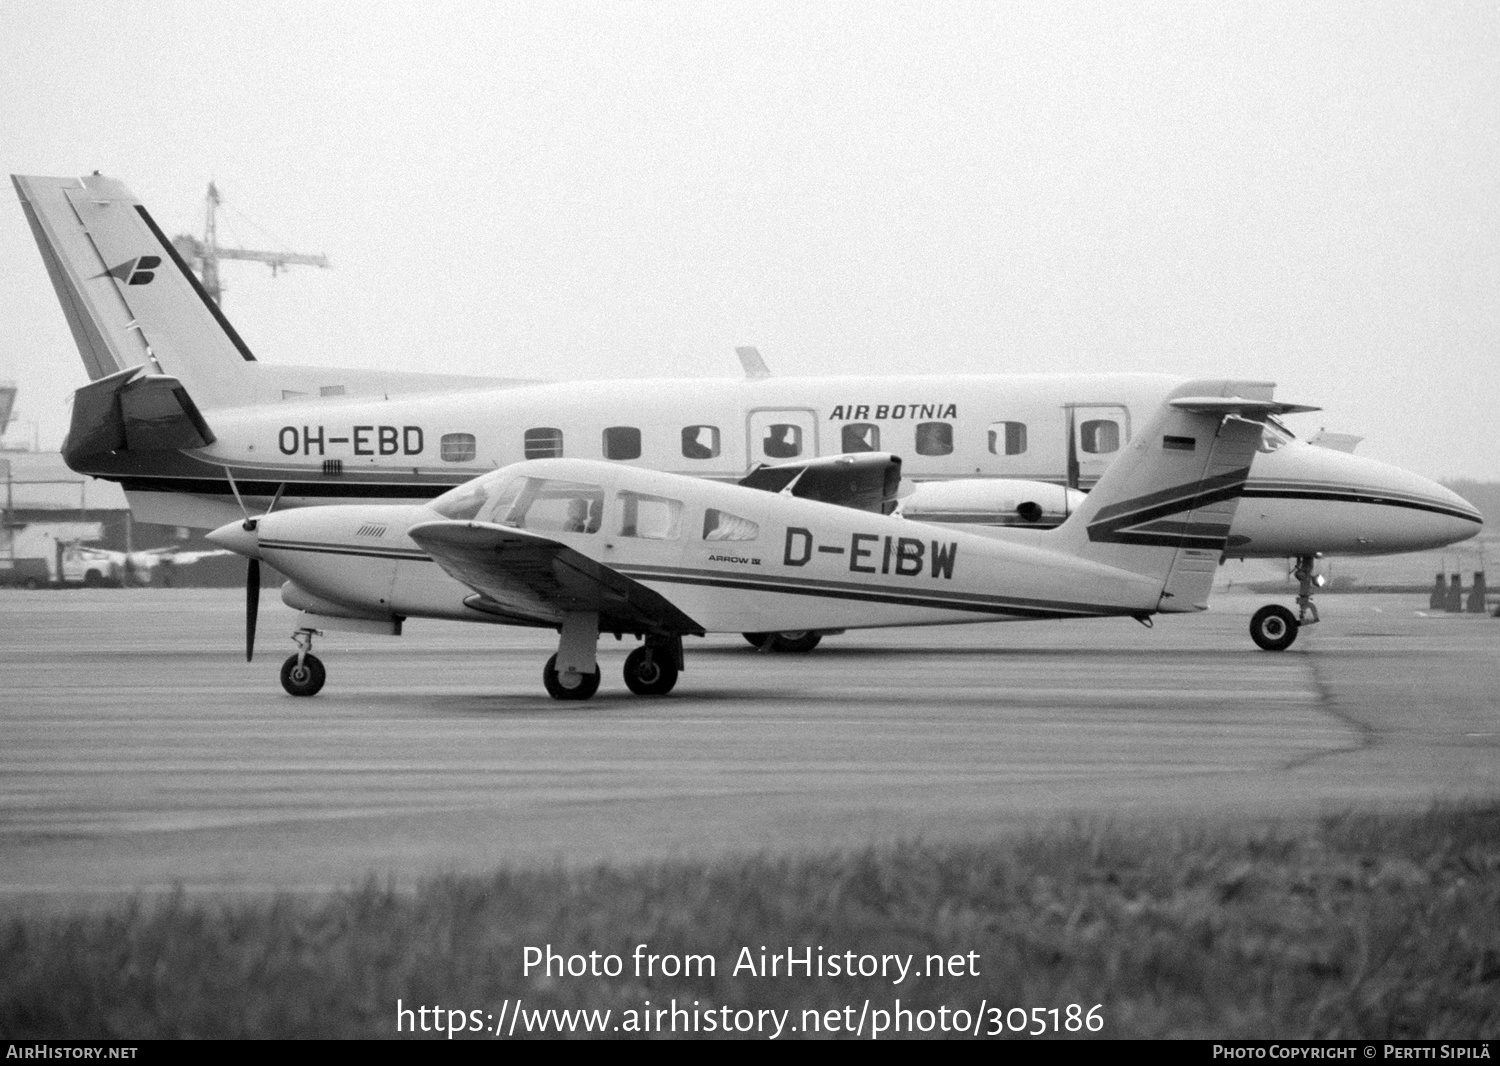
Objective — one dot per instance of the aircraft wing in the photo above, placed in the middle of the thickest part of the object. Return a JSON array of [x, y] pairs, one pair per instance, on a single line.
[[525, 577], [865, 481]]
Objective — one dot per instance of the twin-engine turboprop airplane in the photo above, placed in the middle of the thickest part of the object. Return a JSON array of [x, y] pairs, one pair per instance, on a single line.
[[589, 547], [181, 414]]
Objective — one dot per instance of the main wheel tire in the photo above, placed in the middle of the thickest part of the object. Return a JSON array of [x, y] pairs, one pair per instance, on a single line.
[[799, 642], [649, 674], [555, 688], [793, 642], [1274, 628], [304, 679]]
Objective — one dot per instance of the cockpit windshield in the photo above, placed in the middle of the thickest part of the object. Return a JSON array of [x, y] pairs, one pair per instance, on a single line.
[[463, 503], [1275, 434]]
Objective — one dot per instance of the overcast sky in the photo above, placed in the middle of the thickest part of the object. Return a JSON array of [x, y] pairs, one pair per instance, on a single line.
[[1307, 192]]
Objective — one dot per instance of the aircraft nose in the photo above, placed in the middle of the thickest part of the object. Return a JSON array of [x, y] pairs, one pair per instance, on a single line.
[[235, 537], [1419, 513], [1302, 499]]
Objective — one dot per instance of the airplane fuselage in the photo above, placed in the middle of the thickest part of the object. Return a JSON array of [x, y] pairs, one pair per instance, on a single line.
[[976, 429]]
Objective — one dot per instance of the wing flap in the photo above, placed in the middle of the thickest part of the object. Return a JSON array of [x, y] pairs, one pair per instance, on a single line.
[[522, 574]]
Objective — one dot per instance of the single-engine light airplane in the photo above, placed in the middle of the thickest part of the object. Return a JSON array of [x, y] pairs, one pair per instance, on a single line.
[[589, 547]]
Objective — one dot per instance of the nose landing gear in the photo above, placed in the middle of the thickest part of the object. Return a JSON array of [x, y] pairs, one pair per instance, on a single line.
[[1273, 627], [303, 673]]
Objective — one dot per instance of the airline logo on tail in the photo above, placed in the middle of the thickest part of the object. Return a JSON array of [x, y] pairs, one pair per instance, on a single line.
[[138, 271], [1142, 520]]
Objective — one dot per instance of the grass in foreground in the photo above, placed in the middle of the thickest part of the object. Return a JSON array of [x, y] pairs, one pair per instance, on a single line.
[[1361, 926]]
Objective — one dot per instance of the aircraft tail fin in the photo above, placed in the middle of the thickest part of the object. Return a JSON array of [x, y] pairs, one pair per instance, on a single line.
[[129, 298], [1164, 507]]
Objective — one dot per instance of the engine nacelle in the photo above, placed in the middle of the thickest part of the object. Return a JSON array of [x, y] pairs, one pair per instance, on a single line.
[[991, 502]]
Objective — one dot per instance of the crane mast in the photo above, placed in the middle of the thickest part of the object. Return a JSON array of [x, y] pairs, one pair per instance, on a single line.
[[204, 255]]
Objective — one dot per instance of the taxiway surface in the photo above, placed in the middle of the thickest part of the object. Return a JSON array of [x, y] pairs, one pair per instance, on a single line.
[[139, 751]]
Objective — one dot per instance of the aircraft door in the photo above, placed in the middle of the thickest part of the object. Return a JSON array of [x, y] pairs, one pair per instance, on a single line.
[[1096, 433], [780, 436]]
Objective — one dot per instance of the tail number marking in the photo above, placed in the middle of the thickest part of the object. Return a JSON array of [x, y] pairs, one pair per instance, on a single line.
[[366, 440], [873, 553]]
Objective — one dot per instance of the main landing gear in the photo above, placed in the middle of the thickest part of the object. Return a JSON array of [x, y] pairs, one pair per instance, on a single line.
[[573, 673], [796, 642], [303, 673], [1273, 627]]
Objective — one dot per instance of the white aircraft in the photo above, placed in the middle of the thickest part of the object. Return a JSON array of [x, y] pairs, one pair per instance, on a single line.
[[589, 547], [198, 432], [99, 566]]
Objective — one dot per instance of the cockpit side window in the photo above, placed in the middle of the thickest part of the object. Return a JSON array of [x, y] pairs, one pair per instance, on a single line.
[[649, 517], [721, 525]]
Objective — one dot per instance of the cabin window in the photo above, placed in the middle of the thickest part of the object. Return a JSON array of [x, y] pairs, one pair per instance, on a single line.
[[1007, 438], [721, 525], [782, 441], [622, 442], [457, 447], [934, 438], [649, 517], [861, 437], [1099, 436], [544, 443], [700, 442], [548, 505]]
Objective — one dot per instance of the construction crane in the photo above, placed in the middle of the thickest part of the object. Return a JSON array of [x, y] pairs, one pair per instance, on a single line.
[[204, 255]]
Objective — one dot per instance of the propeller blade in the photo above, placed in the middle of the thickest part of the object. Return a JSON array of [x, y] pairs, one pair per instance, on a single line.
[[252, 606]]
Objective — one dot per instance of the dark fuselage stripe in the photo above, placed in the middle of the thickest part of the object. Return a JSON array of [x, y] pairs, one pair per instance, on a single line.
[[344, 489]]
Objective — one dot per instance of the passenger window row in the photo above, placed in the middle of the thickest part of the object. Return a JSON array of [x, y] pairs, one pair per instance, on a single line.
[[1099, 436]]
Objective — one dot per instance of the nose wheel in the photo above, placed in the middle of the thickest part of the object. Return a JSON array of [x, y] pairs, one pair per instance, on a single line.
[[303, 674], [1273, 627]]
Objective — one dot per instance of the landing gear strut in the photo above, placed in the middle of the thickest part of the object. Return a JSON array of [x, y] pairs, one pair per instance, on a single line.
[[303, 673], [573, 673], [1273, 627]]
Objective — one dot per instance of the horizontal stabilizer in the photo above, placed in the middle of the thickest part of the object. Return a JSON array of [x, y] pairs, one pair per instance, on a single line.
[[522, 574], [865, 481], [1238, 405]]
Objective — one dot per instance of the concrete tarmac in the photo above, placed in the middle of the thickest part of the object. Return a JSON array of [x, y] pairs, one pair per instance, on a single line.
[[138, 751]]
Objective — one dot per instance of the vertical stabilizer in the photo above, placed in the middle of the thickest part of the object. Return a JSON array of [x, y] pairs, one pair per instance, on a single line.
[[1164, 507], [129, 298]]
